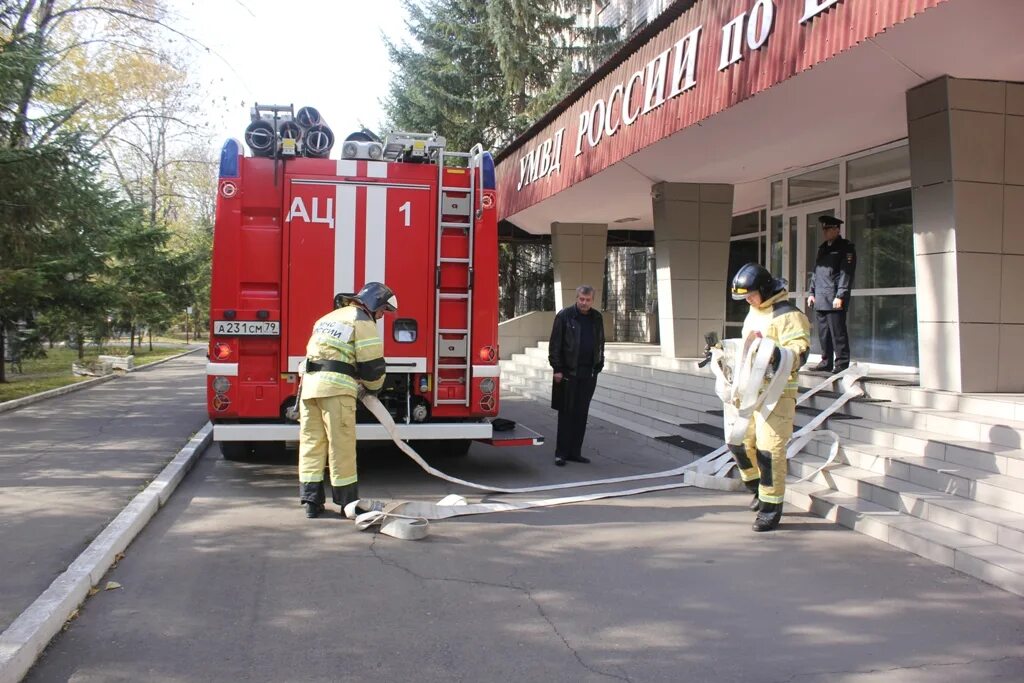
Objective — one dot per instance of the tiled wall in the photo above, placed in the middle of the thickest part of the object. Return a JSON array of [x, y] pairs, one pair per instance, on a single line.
[[967, 171]]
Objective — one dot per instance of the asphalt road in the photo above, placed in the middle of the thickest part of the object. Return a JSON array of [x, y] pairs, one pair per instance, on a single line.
[[69, 464], [230, 582]]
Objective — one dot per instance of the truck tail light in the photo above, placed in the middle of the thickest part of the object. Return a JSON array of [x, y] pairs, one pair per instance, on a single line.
[[221, 385], [487, 385], [221, 402], [221, 351], [487, 403], [487, 354]]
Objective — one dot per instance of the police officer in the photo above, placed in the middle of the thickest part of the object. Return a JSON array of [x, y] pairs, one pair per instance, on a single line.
[[829, 294], [344, 357], [761, 457]]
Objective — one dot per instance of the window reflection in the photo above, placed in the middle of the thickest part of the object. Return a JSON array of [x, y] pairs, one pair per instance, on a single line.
[[883, 329], [882, 229]]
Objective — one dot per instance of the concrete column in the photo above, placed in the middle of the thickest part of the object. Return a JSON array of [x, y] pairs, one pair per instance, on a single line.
[[578, 252], [692, 225], [967, 172]]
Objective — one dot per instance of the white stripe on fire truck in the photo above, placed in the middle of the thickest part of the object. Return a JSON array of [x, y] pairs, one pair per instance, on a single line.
[[360, 183], [346, 167], [344, 239], [376, 238], [222, 369], [376, 169], [395, 364]]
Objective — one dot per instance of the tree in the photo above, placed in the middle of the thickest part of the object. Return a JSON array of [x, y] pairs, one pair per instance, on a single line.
[[69, 245], [449, 80]]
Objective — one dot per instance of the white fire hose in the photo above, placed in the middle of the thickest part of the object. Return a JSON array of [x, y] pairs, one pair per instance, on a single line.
[[409, 520]]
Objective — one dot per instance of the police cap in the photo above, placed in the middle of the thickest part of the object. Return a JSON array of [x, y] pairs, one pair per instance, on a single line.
[[829, 221]]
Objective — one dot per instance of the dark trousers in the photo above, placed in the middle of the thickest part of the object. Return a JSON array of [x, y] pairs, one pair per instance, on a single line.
[[833, 337], [572, 416]]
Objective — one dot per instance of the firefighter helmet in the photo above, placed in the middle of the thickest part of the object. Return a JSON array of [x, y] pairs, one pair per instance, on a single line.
[[754, 277], [374, 297]]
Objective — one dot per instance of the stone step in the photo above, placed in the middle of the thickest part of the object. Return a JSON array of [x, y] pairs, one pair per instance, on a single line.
[[996, 564], [947, 436], [969, 515]]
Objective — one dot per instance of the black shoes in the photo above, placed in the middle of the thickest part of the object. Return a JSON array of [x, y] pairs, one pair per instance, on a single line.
[[560, 460], [822, 367], [313, 510], [768, 517], [841, 366]]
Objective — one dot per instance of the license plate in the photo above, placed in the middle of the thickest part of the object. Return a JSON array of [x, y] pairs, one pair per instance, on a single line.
[[247, 328]]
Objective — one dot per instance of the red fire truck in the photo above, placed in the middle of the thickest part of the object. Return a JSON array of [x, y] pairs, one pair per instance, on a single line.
[[294, 230]]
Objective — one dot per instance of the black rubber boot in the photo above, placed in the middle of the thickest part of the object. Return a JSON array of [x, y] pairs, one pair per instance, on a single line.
[[752, 486], [768, 517], [313, 510]]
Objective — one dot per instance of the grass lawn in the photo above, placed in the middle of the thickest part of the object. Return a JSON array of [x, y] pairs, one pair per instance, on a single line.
[[42, 374]]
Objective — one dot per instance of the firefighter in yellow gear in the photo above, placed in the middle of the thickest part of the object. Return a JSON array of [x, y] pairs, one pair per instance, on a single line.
[[762, 456], [344, 357]]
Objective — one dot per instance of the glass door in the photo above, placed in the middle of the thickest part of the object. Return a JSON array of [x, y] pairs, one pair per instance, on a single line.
[[801, 234]]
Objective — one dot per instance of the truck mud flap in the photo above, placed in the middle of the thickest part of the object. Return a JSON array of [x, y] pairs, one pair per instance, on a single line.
[[518, 435]]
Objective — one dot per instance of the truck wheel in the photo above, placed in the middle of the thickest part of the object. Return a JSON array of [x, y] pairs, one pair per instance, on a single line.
[[235, 451]]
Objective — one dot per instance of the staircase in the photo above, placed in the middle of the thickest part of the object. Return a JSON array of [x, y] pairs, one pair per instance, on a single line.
[[936, 473]]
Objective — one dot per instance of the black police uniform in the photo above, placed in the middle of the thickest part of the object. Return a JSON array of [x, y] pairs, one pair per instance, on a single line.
[[833, 279]]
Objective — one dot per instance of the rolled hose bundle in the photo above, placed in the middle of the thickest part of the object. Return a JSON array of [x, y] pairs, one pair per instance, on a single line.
[[318, 140], [261, 138], [308, 117]]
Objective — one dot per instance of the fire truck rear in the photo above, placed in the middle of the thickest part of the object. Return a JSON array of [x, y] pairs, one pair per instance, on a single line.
[[295, 227]]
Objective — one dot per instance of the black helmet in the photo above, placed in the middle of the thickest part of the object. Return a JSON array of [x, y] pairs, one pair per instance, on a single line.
[[374, 297], [754, 277]]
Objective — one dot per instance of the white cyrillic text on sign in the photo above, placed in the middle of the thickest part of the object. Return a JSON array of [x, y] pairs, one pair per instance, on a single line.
[[670, 74]]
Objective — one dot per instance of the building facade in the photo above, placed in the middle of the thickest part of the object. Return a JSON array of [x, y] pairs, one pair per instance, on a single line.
[[728, 127]]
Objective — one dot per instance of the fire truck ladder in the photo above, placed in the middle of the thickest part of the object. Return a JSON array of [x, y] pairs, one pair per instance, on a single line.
[[452, 346]]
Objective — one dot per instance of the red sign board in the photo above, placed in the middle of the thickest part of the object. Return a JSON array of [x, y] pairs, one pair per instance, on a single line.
[[715, 55]]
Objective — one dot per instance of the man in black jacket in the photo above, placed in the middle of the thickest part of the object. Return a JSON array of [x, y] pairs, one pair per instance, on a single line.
[[576, 354], [829, 294]]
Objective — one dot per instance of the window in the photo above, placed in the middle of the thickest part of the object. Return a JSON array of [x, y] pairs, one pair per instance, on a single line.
[[881, 228], [883, 329], [809, 187], [638, 281], [777, 194], [775, 246], [404, 330], [748, 223], [881, 168], [741, 252]]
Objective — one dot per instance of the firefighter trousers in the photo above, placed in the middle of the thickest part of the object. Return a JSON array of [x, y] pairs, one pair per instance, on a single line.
[[762, 456], [327, 437]]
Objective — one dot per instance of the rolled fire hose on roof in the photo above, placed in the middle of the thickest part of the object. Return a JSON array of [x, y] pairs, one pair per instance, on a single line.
[[409, 520]]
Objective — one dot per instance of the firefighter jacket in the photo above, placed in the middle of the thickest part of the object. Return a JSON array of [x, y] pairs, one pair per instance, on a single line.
[[564, 349], [833, 274], [348, 335], [786, 325]]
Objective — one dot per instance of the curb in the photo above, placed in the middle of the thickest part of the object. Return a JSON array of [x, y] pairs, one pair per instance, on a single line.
[[30, 633], [16, 403]]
